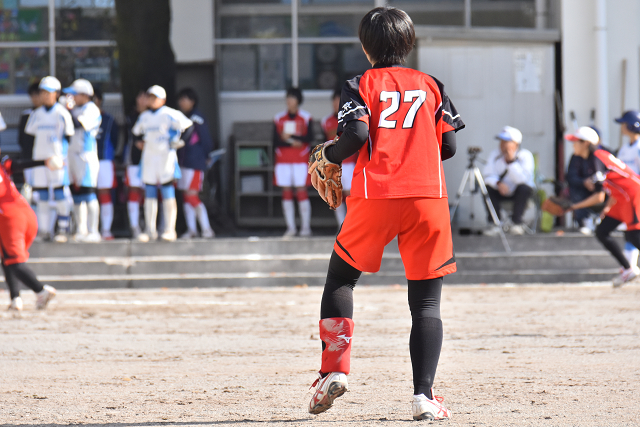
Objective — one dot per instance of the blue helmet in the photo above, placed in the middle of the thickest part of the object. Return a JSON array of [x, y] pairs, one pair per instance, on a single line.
[[632, 119]]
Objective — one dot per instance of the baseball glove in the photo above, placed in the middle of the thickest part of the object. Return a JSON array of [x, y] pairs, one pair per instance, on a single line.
[[556, 206], [326, 176]]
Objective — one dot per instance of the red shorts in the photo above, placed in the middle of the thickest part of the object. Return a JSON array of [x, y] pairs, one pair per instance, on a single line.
[[421, 224], [17, 233]]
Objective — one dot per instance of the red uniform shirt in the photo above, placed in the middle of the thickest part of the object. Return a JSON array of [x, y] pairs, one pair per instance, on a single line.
[[299, 125], [330, 129], [407, 112], [623, 185], [11, 201]]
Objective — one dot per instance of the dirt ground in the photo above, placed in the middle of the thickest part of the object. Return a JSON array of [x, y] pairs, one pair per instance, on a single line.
[[512, 356]]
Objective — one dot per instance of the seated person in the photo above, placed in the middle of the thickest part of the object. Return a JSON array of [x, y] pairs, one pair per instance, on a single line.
[[583, 165], [508, 175]]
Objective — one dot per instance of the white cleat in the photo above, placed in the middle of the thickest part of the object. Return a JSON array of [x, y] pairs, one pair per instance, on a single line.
[[79, 237], [208, 234], [16, 304], [93, 238], [188, 235], [291, 232], [328, 389], [429, 409], [169, 236], [45, 296], [305, 232], [60, 238], [516, 230], [626, 276]]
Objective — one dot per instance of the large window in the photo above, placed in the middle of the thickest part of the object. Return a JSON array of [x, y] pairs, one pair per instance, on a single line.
[[83, 44], [313, 44]]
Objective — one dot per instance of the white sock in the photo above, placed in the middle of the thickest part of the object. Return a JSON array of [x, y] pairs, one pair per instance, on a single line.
[[341, 212], [63, 207], [170, 211], [150, 214], [80, 213], [134, 214], [93, 217], [190, 217], [631, 254], [203, 217], [44, 219], [305, 214], [289, 211], [106, 216]]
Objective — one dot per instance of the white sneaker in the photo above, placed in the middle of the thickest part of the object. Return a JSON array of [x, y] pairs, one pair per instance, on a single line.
[[306, 232], [429, 409], [328, 389], [188, 235], [60, 238], [516, 230], [291, 232], [44, 296], [169, 236], [93, 238], [492, 231], [626, 276], [79, 237], [16, 304], [586, 231], [208, 234]]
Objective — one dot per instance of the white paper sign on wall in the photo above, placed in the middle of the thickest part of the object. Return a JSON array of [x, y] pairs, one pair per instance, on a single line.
[[527, 66]]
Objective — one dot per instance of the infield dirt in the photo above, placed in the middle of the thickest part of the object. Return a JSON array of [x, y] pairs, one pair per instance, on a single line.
[[512, 356]]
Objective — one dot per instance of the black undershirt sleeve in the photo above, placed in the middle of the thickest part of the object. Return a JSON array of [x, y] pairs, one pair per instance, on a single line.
[[354, 136], [18, 165], [448, 145]]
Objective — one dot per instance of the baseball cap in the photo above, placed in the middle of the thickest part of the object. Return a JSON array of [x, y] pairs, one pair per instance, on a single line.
[[50, 84], [80, 86], [632, 119], [157, 91], [584, 133], [509, 133]]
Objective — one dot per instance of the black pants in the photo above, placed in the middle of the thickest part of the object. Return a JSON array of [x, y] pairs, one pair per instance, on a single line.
[[519, 198], [425, 341], [603, 234], [15, 274]]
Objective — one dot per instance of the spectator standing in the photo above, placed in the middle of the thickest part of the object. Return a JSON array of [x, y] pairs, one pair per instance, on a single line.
[[329, 129], [24, 139], [192, 159], [292, 136], [508, 175], [160, 131], [629, 153], [51, 125], [107, 142]]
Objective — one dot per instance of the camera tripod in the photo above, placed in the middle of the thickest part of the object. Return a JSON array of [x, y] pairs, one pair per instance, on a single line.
[[472, 175]]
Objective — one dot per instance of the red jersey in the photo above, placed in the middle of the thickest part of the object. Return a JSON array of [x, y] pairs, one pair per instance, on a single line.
[[623, 185], [11, 201], [407, 112], [298, 125], [330, 130]]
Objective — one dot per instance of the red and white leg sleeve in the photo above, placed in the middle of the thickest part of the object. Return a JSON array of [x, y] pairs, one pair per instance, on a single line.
[[336, 332]]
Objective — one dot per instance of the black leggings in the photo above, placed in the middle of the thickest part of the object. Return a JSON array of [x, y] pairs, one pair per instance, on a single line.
[[424, 297], [603, 234], [15, 274]]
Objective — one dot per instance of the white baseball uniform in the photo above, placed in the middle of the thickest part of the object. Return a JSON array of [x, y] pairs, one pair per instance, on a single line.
[[51, 127], [159, 129], [83, 149]]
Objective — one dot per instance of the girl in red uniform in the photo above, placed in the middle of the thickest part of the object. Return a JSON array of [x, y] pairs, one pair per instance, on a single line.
[[18, 229], [403, 126]]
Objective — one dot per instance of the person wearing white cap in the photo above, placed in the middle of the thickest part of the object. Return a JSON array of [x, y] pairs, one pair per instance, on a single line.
[[83, 161], [51, 124], [161, 131], [629, 153], [508, 175], [582, 166], [623, 206]]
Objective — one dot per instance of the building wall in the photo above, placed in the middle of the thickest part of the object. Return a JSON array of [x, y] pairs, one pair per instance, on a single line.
[[579, 62]]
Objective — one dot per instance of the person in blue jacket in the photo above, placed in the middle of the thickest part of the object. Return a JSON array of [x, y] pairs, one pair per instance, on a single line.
[[192, 159]]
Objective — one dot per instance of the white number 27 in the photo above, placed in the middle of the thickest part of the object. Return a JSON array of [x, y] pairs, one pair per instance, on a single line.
[[417, 97]]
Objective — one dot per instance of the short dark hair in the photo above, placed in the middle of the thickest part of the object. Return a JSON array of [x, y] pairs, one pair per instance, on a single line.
[[296, 93], [188, 92], [34, 88], [387, 34], [337, 92], [97, 94]]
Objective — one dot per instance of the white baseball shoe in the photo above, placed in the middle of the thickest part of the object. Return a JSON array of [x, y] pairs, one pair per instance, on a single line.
[[188, 235], [305, 232], [328, 389], [45, 296], [93, 238], [291, 232], [429, 409], [208, 234], [626, 276], [169, 236], [60, 238], [16, 304]]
